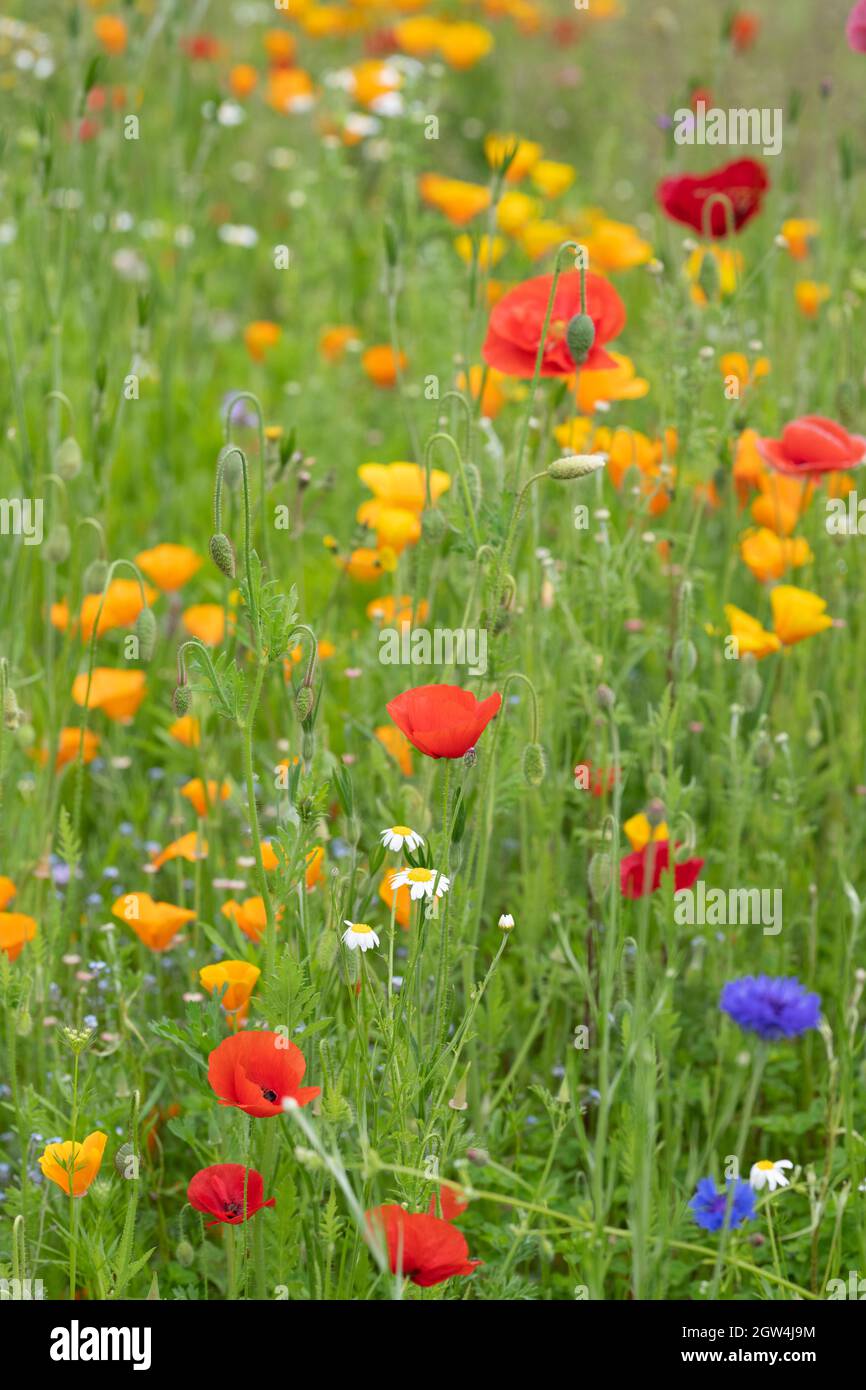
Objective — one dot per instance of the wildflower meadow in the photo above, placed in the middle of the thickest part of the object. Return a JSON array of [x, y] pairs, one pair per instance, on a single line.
[[432, 558]]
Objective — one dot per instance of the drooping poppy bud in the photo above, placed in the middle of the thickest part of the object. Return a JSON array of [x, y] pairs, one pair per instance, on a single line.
[[580, 337], [94, 577], [575, 466], [222, 554], [182, 700], [145, 631], [68, 459], [534, 765]]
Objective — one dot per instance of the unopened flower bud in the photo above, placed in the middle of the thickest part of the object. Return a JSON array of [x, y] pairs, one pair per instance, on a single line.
[[145, 631], [222, 554], [600, 875], [709, 279], [184, 1253], [684, 657], [304, 702], [182, 700], [433, 525], [93, 579], [656, 812], [579, 337], [12, 715], [534, 765], [576, 466], [751, 685], [68, 459], [605, 697], [58, 544], [470, 757]]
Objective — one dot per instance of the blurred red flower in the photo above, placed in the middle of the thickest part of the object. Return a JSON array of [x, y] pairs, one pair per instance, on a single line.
[[634, 870], [813, 444], [219, 1190], [257, 1071], [517, 320], [442, 721], [683, 196], [428, 1249]]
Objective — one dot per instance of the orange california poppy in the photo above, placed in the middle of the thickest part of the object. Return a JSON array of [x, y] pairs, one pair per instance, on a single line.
[[397, 745], [402, 915], [260, 336], [187, 730], [16, 928], [190, 847], [7, 891], [156, 924], [78, 1161], [381, 365], [194, 792], [112, 33], [206, 621], [238, 978], [120, 605], [169, 566], [117, 693]]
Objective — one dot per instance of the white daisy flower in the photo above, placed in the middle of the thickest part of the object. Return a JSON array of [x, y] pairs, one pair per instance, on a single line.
[[359, 936], [420, 882], [767, 1174], [396, 836], [506, 921]]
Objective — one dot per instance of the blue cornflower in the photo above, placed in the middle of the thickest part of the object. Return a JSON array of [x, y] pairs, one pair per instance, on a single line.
[[771, 1006], [731, 1208]]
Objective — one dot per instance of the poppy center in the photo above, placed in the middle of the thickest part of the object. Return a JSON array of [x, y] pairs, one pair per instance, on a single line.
[[270, 1095], [232, 1208]]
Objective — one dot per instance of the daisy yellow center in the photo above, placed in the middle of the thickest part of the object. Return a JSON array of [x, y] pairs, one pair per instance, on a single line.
[[420, 875], [361, 928], [401, 830], [765, 1163]]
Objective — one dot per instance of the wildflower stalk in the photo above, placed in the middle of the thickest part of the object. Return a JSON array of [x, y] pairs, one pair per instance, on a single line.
[[254, 400], [467, 497], [73, 1211]]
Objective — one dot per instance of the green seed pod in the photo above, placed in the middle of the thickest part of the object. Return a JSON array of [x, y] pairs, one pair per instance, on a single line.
[[433, 525], [145, 631], [600, 875], [68, 458], [222, 554], [58, 544], [579, 337], [94, 577], [182, 700], [534, 765], [184, 1253]]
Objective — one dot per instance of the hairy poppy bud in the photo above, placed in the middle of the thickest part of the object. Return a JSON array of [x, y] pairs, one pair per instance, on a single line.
[[433, 525], [182, 700], [94, 577], [534, 765], [579, 337], [576, 466], [222, 554], [763, 751], [304, 702], [145, 631], [68, 459], [599, 875], [684, 658], [605, 697], [751, 685], [184, 1253], [11, 713], [57, 545], [655, 812], [470, 757]]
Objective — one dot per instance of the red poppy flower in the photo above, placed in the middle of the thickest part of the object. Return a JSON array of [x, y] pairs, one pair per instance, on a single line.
[[517, 320], [442, 721], [813, 444], [683, 196], [257, 1071], [451, 1202], [426, 1248], [597, 780], [219, 1190], [634, 870]]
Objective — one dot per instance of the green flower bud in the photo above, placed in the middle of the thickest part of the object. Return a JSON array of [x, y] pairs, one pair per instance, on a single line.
[[68, 459], [684, 657], [751, 685], [12, 715], [656, 812], [709, 279], [764, 752], [433, 525], [57, 545], [94, 577], [575, 466], [579, 337], [304, 702], [145, 631], [184, 1253], [222, 554], [182, 700], [534, 765], [600, 875]]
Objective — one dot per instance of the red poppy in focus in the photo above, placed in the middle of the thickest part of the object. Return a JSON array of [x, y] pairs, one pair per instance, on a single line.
[[258, 1071], [813, 444], [517, 320], [743, 182], [634, 870], [427, 1249], [442, 721], [219, 1190]]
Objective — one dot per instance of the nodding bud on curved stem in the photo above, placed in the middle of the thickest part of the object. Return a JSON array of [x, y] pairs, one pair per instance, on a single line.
[[222, 553]]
